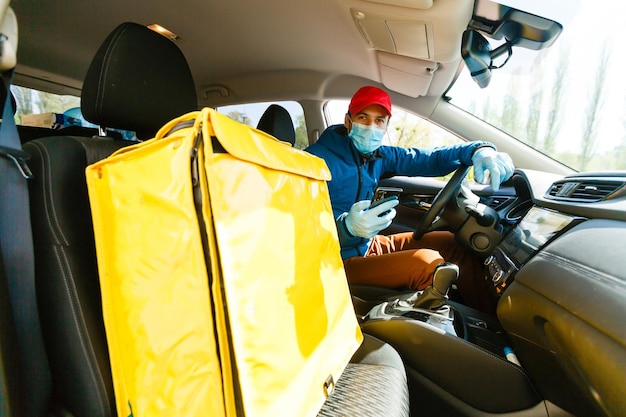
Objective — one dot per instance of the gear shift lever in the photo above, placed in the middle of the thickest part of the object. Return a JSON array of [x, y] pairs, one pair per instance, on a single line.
[[435, 296]]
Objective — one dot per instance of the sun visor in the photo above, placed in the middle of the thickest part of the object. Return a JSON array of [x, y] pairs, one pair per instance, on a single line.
[[395, 34], [405, 75]]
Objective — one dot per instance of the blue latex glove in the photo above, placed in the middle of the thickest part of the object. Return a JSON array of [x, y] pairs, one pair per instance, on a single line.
[[367, 223], [499, 165]]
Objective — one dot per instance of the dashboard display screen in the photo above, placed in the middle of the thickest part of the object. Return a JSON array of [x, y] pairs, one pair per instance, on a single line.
[[535, 229]]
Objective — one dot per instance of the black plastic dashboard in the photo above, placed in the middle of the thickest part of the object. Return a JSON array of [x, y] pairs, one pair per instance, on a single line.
[[534, 230], [560, 273], [557, 264], [542, 208], [590, 195]]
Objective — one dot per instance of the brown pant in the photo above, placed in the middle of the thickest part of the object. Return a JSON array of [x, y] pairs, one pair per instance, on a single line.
[[397, 261]]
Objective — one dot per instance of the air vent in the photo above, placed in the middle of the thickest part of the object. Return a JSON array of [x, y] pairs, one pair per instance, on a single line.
[[498, 203], [584, 190]]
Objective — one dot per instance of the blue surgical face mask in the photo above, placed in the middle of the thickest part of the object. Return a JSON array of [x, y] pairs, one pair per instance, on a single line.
[[366, 139]]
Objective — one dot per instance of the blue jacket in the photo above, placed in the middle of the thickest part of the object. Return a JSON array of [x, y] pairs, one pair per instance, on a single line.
[[355, 176]]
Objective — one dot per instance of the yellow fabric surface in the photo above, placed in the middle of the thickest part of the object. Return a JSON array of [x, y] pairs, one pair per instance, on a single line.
[[264, 332], [158, 316]]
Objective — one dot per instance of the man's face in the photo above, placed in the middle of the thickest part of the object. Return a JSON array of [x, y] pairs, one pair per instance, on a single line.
[[372, 115]]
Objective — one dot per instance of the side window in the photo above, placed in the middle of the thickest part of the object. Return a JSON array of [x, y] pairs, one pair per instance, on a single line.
[[52, 111], [405, 129], [40, 109], [250, 113]]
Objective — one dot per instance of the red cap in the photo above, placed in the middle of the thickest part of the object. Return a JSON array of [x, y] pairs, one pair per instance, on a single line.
[[369, 95]]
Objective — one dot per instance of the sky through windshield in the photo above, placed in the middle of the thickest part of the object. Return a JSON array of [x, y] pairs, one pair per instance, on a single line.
[[586, 64]]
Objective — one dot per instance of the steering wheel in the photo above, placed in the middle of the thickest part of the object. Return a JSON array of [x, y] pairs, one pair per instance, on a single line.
[[447, 193]]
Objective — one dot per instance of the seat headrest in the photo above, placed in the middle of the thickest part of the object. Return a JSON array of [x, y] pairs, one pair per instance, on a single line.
[[138, 80], [277, 122]]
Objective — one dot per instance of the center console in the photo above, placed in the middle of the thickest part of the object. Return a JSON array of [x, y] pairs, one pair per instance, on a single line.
[[535, 229], [453, 319], [462, 353]]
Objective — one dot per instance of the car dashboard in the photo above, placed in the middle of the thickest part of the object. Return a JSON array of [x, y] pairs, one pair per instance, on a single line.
[[556, 263], [560, 273], [539, 208]]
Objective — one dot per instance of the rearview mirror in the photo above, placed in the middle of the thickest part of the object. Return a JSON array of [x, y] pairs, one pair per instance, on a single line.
[[517, 28], [476, 53], [478, 56]]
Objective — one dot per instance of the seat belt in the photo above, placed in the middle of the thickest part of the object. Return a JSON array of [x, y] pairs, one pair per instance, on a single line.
[[16, 246]]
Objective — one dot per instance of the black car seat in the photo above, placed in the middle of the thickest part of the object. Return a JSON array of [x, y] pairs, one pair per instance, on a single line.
[[138, 80], [25, 382], [277, 122], [23, 392]]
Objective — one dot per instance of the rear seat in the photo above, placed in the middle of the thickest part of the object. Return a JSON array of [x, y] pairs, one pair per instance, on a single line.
[[140, 94], [28, 133]]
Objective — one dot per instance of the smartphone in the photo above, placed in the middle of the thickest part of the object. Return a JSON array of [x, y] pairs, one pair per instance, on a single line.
[[384, 194]]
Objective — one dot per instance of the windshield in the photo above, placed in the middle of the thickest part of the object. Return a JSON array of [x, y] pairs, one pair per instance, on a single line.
[[567, 101]]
